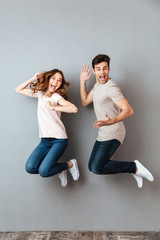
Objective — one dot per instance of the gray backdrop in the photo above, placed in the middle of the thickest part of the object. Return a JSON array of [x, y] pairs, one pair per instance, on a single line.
[[66, 34]]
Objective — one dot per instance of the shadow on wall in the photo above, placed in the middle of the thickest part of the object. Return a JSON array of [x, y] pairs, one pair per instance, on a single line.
[[139, 132]]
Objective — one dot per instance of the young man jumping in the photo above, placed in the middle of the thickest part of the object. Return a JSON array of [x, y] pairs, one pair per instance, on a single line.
[[111, 108]]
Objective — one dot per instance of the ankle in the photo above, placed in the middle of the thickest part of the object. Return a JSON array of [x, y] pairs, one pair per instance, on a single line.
[[70, 164]]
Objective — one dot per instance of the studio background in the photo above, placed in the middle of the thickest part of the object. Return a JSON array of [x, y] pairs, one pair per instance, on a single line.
[[66, 34]]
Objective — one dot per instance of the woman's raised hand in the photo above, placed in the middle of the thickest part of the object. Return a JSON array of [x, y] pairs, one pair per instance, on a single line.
[[36, 75], [85, 73]]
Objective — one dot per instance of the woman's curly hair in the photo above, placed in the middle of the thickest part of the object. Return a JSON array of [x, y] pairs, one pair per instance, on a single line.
[[42, 82]]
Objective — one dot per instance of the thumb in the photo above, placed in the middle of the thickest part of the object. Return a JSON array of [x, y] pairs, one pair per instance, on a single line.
[[107, 117]]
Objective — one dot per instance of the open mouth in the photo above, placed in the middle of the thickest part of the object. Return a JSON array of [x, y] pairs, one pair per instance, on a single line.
[[102, 77], [53, 87]]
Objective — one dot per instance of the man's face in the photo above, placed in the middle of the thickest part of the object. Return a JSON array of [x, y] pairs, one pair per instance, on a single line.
[[101, 72]]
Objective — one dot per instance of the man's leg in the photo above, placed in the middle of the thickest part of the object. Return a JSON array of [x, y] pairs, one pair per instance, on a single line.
[[100, 162]]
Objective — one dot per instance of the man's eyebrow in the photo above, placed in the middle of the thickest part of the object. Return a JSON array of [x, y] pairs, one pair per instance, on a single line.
[[103, 67]]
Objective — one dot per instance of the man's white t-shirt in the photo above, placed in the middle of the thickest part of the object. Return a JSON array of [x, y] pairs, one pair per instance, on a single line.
[[50, 124], [104, 98]]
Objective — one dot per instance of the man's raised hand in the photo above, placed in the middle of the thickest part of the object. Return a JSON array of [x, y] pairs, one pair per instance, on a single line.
[[85, 73]]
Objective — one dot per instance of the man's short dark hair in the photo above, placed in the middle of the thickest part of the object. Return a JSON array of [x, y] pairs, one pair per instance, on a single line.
[[100, 58]]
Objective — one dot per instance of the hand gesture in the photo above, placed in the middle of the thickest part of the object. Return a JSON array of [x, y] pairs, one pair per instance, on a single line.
[[107, 121], [49, 105], [85, 73], [36, 75]]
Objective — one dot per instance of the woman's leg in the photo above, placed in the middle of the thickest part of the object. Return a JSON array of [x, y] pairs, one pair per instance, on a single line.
[[49, 165], [36, 157], [100, 162]]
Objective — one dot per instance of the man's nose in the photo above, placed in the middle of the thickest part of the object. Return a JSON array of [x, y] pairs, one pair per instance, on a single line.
[[102, 71]]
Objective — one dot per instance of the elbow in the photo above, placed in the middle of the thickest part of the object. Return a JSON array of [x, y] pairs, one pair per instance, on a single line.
[[84, 104], [16, 90], [75, 109], [131, 113]]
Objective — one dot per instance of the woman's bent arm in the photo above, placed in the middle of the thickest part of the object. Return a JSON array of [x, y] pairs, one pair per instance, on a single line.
[[64, 106], [22, 88]]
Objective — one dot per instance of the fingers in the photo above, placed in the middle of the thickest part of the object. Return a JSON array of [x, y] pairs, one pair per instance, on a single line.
[[99, 121], [89, 76], [97, 125], [86, 69]]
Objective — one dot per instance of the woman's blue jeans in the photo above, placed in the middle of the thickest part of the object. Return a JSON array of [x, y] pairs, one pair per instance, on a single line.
[[43, 159], [100, 162]]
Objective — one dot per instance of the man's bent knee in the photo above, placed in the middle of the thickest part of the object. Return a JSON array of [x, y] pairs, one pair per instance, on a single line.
[[94, 169]]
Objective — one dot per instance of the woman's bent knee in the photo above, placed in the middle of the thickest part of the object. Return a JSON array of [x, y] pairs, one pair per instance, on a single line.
[[30, 169], [45, 173]]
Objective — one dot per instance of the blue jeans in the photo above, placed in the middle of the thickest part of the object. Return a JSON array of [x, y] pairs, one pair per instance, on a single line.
[[43, 159], [100, 162]]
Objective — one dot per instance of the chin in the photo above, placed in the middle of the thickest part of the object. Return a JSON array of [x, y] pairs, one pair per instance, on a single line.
[[102, 82]]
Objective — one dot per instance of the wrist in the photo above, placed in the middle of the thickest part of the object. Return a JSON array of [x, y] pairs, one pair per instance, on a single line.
[[83, 80], [114, 120], [30, 80]]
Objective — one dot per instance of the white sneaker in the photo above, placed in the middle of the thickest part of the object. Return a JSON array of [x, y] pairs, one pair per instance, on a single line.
[[63, 178], [139, 180], [143, 172], [74, 170]]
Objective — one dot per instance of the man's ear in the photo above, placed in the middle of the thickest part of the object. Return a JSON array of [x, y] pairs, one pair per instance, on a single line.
[[93, 70]]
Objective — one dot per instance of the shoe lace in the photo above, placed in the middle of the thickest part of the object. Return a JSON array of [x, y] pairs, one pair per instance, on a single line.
[[72, 171]]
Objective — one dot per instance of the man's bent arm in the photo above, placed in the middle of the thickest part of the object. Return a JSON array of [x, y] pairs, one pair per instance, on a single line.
[[86, 98], [126, 112]]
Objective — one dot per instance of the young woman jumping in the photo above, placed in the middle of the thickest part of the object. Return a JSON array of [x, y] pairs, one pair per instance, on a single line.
[[51, 90]]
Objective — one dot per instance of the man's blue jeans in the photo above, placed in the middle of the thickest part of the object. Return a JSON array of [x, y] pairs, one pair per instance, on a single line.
[[43, 159], [100, 162]]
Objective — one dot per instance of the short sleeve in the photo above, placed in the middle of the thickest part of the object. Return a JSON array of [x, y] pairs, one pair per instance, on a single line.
[[39, 94], [115, 93], [55, 98]]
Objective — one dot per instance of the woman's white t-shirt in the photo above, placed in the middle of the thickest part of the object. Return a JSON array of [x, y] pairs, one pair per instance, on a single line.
[[50, 124]]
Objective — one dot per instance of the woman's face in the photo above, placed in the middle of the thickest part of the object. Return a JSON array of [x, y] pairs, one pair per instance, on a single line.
[[55, 82]]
